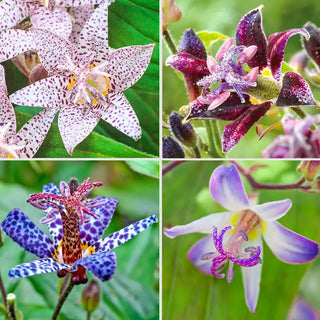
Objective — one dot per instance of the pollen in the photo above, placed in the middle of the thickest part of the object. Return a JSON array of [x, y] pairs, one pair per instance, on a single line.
[[72, 82]]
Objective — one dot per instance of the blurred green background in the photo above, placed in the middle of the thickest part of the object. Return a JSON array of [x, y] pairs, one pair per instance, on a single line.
[[223, 16], [133, 291], [189, 294]]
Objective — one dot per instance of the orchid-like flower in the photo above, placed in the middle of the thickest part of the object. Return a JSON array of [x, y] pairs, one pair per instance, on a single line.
[[74, 247], [235, 236], [87, 80], [299, 140], [26, 142], [227, 69]]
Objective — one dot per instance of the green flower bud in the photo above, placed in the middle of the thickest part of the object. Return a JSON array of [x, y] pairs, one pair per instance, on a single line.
[[91, 296]]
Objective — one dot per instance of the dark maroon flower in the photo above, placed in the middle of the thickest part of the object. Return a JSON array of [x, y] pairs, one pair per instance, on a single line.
[[312, 46]]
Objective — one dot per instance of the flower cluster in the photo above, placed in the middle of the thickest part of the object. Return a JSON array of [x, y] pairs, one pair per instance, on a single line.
[[236, 236], [76, 225], [247, 77], [71, 67]]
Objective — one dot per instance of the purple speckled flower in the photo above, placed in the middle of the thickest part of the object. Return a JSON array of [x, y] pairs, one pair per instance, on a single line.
[[243, 245], [74, 247], [87, 80]]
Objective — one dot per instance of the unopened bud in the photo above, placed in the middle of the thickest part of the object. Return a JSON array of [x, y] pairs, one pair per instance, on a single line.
[[73, 185], [192, 44], [170, 13], [171, 148], [91, 296], [312, 45], [310, 169]]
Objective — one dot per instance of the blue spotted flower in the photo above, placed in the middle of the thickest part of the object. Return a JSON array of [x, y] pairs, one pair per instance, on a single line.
[[75, 246]]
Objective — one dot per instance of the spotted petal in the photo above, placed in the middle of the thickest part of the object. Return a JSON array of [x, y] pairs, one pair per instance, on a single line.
[[34, 132], [118, 238], [36, 267], [14, 42], [276, 45], [250, 32], [127, 65], [78, 3], [274, 210], [227, 189], [287, 245], [295, 91], [49, 92], [102, 264], [75, 124], [121, 116], [235, 131], [12, 12], [23, 231]]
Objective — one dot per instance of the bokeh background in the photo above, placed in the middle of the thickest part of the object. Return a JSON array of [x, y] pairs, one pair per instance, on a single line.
[[133, 291], [223, 16], [189, 294]]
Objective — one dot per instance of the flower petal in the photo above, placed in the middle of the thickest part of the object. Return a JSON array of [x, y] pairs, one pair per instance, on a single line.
[[14, 42], [276, 45], [23, 231], [94, 35], [78, 3], [287, 245], [312, 45], [302, 310], [198, 250], [91, 231], [251, 277], [102, 264], [58, 21], [192, 44], [34, 132], [12, 12], [36, 267], [250, 32], [118, 238], [49, 92], [127, 65], [121, 116], [271, 211], [75, 124], [236, 130], [295, 91], [227, 188], [202, 225]]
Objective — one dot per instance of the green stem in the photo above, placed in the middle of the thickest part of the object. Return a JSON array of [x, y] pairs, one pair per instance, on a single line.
[[169, 41], [171, 166], [299, 112], [62, 299], [212, 148], [217, 137], [3, 292], [197, 152], [88, 315]]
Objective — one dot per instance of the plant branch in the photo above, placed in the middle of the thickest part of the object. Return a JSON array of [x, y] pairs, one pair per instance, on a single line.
[[170, 166], [3, 292], [62, 299], [169, 41], [212, 147]]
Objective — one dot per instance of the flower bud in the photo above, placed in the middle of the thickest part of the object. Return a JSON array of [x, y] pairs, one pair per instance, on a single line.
[[183, 132], [73, 185], [192, 44], [91, 296], [310, 169], [171, 148], [313, 44], [170, 13]]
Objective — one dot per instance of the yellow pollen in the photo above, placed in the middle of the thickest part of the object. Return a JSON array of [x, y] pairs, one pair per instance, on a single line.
[[10, 156], [234, 218], [95, 102], [253, 234], [91, 250], [84, 246], [263, 227], [92, 66], [72, 82]]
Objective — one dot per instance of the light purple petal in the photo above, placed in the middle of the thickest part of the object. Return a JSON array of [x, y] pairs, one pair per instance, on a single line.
[[58, 21], [80, 15], [287, 245], [102, 264], [14, 42], [91, 231], [227, 188], [36, 267], [127, 65], [34, 132], [198, 250], [202, 225], [94, 35], [24, 232], [251, 277], [12, 12], [121, 116], [49, 92], [302, 310], [272, 210], [120, 237], [75, 124]]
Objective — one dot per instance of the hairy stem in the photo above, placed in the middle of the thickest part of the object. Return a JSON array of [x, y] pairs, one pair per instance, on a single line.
[[212, 148], [170, 166], [169, 41], [217, 137], [63, 298]]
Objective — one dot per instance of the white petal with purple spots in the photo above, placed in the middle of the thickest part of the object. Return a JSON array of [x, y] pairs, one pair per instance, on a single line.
[[77, 3], [12, 12]]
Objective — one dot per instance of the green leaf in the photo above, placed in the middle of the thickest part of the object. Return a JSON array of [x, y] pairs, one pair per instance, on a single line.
[[210, 37], [149, 168]]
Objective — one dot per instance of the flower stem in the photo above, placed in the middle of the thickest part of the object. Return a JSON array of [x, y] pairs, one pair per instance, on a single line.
[[170, 166], [3, 292], [169, 41], [62, 299], [88, 315], [212, 148], [197, 152], [299, 112], [217, 137]]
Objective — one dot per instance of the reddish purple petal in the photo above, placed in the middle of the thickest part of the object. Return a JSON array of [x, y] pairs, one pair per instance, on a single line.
[[276, 45], [295, 91], [234, 131], [313, 44], [192, 44], [229, 110], [121, 116], [250, 32], [12, 12]]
